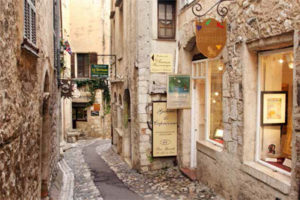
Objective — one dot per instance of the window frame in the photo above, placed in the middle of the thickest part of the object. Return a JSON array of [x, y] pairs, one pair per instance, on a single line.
[[173, 4], [207, 94], [77, 65], [258, 144]]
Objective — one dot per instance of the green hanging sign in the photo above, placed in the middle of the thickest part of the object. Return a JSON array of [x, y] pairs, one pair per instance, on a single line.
[[99, 71]]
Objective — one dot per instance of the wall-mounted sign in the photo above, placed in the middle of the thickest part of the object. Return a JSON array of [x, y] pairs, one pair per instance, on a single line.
[[96, 107], [161, 63], [164, 130], [66, 88], [94, 113], [178, 95], [99, 71], [211, 37]]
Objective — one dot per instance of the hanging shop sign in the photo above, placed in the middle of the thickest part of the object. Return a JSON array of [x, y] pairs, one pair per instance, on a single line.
[[211, 37], [164, 130], [99, 71], [178, 95], [161, 63], [66, 88]]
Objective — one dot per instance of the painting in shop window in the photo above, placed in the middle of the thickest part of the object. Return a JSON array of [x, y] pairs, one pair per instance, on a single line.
[[274, 108]]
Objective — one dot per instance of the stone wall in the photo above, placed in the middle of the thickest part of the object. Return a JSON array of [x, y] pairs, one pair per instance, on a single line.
[[133, 47], [22, 80], [253, 26]]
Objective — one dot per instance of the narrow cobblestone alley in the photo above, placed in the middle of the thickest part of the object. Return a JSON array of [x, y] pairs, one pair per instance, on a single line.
[[100, 173]]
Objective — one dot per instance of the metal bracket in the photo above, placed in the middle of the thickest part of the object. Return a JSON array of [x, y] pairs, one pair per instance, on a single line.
[[222, 11]]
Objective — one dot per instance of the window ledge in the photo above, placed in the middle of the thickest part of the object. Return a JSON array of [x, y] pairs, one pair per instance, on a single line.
[[209, 149], [31, 48], [274, 179], [165, 40]]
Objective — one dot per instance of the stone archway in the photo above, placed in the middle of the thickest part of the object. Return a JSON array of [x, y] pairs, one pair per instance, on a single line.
[[45, 146]]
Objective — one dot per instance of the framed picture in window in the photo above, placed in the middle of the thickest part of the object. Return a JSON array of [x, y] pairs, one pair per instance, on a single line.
[[274, 108]]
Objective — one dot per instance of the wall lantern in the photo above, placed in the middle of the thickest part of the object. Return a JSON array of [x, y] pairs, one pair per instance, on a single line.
[[211, 35]]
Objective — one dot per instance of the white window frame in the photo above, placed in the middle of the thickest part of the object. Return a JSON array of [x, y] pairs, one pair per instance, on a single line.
[[198, 75], [31, 7], [258, 125]]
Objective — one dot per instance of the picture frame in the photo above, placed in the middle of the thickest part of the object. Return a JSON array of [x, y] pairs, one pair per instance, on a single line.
[[274, 108]]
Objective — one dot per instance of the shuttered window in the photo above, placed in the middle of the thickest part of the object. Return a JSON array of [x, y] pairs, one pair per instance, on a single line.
[[30, 21], [166, 19]]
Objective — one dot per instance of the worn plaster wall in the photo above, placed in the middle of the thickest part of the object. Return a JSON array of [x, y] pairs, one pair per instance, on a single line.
[[86, 27], [22, 80], [253, 26]]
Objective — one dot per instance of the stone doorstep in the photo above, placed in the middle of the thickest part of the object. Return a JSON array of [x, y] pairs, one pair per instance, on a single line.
[[189, 173]]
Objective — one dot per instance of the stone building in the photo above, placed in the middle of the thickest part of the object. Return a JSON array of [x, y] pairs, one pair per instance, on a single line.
[[231, 136], [86, 29], [240, 134], [29, 97], [135, 37]]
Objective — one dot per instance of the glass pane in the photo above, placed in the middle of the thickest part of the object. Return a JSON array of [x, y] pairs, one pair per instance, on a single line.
[[169, 12], [169, 33], [80, 66], [277, 93], [216, 69], [161, 31], [161, 11]]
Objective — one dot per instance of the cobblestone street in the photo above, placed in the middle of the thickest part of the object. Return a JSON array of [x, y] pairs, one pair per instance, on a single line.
[[165, 184]]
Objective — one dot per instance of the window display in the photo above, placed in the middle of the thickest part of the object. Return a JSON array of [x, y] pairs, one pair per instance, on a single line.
[[276, 90], [207, 100]]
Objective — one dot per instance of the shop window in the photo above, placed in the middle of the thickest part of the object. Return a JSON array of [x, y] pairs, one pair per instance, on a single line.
[[166, 19], [275, 109], [83, 65], [207, 105]]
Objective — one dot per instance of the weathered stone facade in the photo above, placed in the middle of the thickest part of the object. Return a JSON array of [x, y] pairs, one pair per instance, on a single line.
[[29, 106], [254, 26], [134, 88]]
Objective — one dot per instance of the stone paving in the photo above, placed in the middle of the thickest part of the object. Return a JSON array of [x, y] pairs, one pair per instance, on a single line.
[[165, 184], [84, 187]]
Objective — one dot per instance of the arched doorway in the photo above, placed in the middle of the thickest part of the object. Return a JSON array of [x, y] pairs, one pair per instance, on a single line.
[[44, 145]]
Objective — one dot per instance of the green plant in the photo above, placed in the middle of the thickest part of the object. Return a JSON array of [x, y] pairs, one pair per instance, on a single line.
[[150, 158], [93, 85]]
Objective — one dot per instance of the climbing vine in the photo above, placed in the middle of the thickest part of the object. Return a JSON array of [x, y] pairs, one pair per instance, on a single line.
[[93, 85]]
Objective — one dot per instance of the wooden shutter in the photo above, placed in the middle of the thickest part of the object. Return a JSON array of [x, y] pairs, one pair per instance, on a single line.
[[73, 65], [93, 58]]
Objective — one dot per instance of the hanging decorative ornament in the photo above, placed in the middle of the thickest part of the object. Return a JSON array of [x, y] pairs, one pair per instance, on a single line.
[[211, 37]]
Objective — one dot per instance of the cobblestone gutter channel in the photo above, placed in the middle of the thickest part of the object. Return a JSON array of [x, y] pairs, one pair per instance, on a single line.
[[166, 184]]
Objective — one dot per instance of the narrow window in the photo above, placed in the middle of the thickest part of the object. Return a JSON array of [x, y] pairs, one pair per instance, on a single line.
[[30, 21], [275, 97], [83, 65], [166, 19]]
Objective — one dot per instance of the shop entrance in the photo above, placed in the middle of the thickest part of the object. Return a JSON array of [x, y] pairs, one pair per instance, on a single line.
[[207, 106]]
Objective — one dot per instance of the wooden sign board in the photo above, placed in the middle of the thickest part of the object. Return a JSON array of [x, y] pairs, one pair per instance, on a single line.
[[211, 37], [161, 63], [164, 130]]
